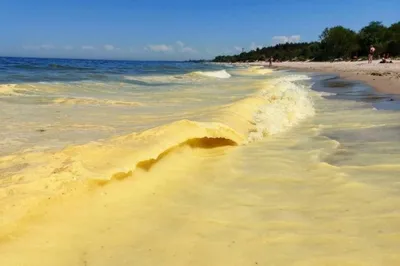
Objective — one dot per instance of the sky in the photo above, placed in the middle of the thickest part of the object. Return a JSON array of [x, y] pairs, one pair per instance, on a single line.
[[173, 29]]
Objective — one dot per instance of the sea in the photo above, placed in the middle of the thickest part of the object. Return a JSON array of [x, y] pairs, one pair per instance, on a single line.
[[179, 163]]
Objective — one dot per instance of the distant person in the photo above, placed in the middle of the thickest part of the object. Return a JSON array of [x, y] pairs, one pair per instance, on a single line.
[[386, 59], [371, 54], [270, 61]]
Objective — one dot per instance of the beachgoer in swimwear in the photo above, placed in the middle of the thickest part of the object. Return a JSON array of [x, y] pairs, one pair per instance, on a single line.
[[383, 59], [371, 53], [386, 59]]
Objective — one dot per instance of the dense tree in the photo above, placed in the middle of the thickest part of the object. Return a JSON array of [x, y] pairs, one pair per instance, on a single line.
[[335, 42], [338, 42], [393, 39], [373, 34]]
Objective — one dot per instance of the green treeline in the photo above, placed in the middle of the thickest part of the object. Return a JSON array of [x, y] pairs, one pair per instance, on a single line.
[[335, 43]]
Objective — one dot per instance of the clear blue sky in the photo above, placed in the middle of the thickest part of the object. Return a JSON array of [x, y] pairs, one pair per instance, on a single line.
[[173, 29]]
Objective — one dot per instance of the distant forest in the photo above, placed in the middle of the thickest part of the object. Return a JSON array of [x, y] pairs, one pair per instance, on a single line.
[[334, 43]]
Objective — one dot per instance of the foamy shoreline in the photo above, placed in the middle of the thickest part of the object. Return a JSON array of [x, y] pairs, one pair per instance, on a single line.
[[384, 78]]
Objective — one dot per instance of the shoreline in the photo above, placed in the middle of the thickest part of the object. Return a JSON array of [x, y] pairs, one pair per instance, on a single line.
[[384, 78]]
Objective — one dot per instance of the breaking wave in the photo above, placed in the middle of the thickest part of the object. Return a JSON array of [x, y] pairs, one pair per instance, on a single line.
[[221, 74], [280, 104], [168, 79], [288, 104]]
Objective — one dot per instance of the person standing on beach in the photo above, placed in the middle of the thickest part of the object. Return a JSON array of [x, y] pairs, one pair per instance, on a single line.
[[371, 54], [270, 61]]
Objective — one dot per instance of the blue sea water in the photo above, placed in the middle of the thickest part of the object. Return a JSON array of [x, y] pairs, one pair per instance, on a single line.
[[17, 70], [73, 101]]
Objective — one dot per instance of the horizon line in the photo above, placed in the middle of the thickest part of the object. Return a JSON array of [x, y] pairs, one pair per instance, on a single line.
[[102, 59]]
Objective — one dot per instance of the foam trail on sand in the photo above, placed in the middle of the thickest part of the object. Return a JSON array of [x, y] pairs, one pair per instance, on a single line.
[[12, 90], [93, 101]]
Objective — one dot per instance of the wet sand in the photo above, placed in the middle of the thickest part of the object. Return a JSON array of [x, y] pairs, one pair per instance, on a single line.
[[384, 78]]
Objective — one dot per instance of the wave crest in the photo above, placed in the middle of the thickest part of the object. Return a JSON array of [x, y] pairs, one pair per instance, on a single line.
[[221, 74], [288, 104], [167, 79], [13, 90], [281, 104]]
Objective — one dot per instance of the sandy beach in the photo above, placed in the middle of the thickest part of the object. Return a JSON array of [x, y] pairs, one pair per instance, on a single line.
[[384, 78]]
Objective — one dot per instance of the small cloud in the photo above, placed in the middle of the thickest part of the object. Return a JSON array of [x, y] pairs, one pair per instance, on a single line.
[[180, 44], [179, 47], [134, 49], [185, 49], [30, 47], [294, 38], [280, 39], [254, 46], [159, 48], [237, 48], [286, 39], [39, 47], [189, 50], [68, 47], [87, 47], [109, 47], [47, 46]]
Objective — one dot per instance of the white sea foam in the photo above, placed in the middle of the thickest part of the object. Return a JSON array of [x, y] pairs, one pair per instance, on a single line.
[[324, 93], [185, 78], [155, 78], [287, 104], [222, 74]]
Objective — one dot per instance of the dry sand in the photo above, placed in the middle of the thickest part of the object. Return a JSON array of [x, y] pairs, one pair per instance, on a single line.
[[384, 78]]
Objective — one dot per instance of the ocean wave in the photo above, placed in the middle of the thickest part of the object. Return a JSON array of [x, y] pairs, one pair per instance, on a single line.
[[325, 94], [183, 78], [154, 79], [253, 71], [282, 103], [8, 89], [50, 67], [288, 104], [221, 74], [260, 70], [15, 89], [278, 106]]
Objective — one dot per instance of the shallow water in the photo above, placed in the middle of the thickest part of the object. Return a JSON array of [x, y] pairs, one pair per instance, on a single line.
[[251, 169]]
